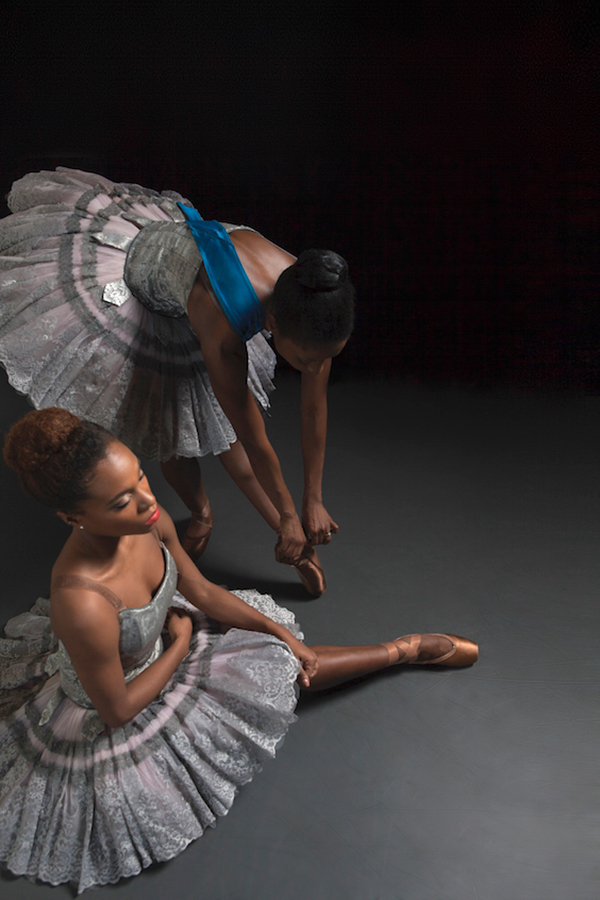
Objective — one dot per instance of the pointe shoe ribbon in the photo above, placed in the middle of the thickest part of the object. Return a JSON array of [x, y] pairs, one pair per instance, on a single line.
[[310, 573], [198, 533], [463, 651]]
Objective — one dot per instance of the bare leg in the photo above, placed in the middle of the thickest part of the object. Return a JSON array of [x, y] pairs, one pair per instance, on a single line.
[[184, 476], [340, 664]]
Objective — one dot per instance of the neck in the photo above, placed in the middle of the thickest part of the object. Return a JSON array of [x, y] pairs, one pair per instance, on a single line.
[[99, 546]]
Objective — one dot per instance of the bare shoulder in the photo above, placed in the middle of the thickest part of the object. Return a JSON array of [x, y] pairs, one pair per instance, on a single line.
[[256, 244], [263, 261], [168, 535], [80, 615], [165, 529]]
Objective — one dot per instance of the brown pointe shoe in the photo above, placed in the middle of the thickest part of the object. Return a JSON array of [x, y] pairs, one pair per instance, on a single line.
[[197, 533], [463, 652], [311, 574]]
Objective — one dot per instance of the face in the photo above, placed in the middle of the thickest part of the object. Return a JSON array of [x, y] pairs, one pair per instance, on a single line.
[[304, 359], [119, 498]]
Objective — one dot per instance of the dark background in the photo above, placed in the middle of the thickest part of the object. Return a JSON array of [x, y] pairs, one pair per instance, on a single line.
[[448, 150]]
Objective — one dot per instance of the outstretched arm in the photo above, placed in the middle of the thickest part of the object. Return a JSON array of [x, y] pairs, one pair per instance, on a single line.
[[318, 524], [227, 364]]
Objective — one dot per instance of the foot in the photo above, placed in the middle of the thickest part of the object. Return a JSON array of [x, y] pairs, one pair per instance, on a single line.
[[432, 650], [310, 572], [197, 533]]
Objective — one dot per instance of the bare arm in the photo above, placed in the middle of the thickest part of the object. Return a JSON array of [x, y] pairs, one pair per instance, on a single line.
[[89, 629], [225, 607], [317, 522], [227, 365]]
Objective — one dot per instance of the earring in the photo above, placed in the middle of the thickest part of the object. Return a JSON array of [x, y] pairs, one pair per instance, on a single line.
[[81, 526]]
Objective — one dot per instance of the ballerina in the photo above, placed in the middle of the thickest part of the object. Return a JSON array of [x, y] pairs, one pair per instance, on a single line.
[[122, 740], [124, 306]]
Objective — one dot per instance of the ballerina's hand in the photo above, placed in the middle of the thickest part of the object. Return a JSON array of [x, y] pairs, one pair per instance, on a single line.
[[291, 543], [308, 660], [179, 623], [318, 524]]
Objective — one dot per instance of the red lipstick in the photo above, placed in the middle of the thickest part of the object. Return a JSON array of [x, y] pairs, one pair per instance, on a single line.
[[154, 517]]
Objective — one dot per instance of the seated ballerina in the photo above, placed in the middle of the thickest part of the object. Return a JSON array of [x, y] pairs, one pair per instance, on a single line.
[[141, 696]]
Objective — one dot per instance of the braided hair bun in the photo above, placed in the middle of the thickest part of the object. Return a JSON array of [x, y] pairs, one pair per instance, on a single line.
[[54, 453], [320, 270]]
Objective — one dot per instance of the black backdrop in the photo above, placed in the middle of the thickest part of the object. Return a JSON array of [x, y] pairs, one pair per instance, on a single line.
[[448, 150]]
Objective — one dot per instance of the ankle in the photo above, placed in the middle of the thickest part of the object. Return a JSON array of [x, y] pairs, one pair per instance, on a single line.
[[397, 652], [202, 512]]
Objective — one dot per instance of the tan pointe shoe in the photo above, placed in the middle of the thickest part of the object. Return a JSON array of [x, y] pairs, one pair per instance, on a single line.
[[412, 651], [197, 533], [311, 574]]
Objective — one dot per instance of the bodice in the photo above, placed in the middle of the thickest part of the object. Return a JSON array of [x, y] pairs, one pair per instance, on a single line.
[[162, 265], [140, 641]]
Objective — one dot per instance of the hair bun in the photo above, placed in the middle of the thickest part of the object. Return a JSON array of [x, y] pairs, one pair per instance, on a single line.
[[37, 437], [320, 270]]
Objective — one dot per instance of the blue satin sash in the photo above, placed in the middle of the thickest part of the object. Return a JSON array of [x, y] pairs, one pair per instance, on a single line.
[[226, 274]]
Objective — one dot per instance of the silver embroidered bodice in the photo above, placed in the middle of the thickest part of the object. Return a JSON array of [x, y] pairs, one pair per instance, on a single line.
[[163, 261], [140, 641]]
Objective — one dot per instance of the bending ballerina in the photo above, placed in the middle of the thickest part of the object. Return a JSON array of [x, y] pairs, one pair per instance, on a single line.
[[122, 305], [141, 696]]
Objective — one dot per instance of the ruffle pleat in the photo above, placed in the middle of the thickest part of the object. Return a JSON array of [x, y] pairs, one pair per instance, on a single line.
[[139, 374], [91, 812]]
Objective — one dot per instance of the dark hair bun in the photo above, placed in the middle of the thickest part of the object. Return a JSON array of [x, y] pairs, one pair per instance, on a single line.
[[38, 437], [54, 453], [320, 270]]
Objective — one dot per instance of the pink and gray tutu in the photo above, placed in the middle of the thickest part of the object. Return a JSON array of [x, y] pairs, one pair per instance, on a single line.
[[93, 320], [88, 805]]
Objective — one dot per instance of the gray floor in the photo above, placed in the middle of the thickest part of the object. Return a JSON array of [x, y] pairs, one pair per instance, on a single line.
[[459, 510]]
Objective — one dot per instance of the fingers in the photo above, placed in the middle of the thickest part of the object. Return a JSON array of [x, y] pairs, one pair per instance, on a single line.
[[303, 678], [286, 554], [308, 671], [321, 536]]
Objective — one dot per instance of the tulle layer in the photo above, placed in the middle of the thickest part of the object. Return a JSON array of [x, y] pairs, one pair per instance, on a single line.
[[137, 373], [91, 812]]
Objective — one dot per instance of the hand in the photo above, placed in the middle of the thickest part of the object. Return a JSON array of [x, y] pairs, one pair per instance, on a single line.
[[318, 524], [291, 543], [179, 624], [308, 660]]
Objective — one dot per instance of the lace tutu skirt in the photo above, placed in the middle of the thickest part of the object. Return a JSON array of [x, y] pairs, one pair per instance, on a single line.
[[138, 373], [92, 810]]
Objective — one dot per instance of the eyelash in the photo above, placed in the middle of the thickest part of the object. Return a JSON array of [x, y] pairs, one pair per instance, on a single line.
[[118, 508]]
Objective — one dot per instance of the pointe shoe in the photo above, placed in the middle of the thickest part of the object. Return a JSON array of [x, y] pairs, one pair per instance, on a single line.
[[463, 652], [198, 533], [311, 574]]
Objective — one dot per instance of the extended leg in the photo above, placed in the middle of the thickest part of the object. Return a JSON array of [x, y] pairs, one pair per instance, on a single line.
[[340, 664]]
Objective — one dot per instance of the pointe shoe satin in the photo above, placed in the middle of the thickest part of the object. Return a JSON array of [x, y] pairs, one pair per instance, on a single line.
[[311, 574], [200, 526], [462, 653]]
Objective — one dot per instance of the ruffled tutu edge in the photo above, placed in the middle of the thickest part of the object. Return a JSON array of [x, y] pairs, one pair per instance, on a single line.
[[90, 813]]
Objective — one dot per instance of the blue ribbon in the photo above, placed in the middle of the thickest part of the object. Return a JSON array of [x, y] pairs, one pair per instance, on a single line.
[[226, 274]]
